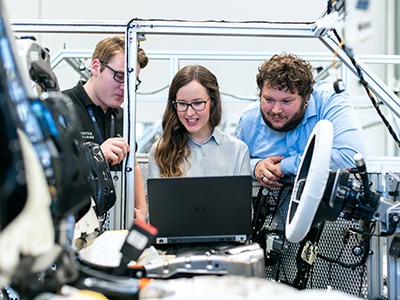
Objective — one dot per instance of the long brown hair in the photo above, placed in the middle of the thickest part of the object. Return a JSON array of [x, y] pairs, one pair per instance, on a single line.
[[172, 150]]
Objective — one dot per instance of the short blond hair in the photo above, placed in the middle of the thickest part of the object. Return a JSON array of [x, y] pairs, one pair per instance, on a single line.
[[107, 48]]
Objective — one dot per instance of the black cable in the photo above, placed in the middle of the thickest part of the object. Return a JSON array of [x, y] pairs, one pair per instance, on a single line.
[[364, 243], [338, 8], [331, 264], [153, 92], [266, 228], [283, 271], [288, 195], [279, 203], [367, 88], [239, 98], [329, 6]]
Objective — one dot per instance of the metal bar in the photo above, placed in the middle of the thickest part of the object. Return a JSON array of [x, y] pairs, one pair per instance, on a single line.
[[128, 194], [68, 53], [75, 64], [222, 28], [393, 267], [59, 26], [225, 56], [375, 270], [259, 29], [385, 94]]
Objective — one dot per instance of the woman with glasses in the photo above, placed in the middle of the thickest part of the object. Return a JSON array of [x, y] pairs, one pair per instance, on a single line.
[[191, 143], [98, 105]]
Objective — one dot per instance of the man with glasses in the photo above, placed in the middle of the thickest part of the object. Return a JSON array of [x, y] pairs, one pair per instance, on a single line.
[[98, 105]]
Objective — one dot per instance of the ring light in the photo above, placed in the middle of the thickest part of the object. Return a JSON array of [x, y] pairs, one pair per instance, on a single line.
[[310, 182]]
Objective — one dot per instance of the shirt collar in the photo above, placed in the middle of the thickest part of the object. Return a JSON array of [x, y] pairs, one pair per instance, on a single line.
[[311, 110], [217, 135], [87, 102], [83, 95]]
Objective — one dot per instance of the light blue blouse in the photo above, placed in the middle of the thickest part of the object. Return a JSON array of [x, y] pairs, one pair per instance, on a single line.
[[220, 155]]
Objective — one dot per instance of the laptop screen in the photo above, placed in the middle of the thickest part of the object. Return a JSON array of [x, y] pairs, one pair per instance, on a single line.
[[200, 209]]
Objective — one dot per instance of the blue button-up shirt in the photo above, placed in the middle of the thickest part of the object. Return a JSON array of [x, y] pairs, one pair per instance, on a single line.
[[324, 103]]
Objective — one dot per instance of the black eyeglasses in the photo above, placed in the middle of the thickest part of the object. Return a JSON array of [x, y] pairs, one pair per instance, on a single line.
[[198, 105], [118, 76]]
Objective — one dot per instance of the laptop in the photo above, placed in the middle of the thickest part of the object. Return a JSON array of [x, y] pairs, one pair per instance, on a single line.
[[200, 209]]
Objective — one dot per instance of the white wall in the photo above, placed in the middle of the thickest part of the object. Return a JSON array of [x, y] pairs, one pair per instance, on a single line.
[[235, 78]]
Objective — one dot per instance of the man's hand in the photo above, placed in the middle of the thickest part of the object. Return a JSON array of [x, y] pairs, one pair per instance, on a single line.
[[268, 171], [115, 149]]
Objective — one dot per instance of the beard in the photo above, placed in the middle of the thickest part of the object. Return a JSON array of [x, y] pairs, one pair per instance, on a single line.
[[292, 123]]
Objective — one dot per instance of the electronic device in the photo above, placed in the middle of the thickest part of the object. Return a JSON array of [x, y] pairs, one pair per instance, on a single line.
[[200, 209]]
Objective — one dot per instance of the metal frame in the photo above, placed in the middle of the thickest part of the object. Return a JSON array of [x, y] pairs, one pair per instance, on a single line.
[[138, 28], [74, 57]]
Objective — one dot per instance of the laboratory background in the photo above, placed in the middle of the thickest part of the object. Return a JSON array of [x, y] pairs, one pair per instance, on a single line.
[[237, 77], [71, 222]]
